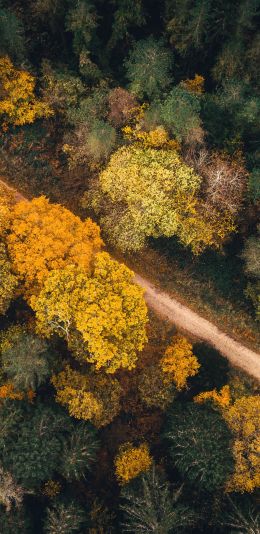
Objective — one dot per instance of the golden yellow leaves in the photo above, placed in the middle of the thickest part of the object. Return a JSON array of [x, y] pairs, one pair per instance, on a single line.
[[243, 419], [18, 103], [92, 396], [8, 281], [195, 85], [132, 461], [45, 236], [222, 398], [107, 309], [179, 361]]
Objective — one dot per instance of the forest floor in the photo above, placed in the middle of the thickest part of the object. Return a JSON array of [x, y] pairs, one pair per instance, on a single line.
[[190, 322]]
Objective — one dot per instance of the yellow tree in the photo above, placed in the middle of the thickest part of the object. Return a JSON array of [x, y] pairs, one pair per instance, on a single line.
[[243, 417], [148, 192], [7, 200], [8, 281], [92, 396], [132, 461], [179, 361], [106, 312], [45, 236], [18, 103]]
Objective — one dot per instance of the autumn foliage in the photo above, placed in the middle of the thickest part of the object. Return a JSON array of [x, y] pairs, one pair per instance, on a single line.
[[132, 461], [89, 396], [149, 192], [18, 103], [242, 416], [45, 236], [179, 362], [106, 311]]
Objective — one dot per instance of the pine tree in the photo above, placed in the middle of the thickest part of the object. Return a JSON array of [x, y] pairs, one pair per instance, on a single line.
[[148, 68], [200, 445], [31, 451], [150, 506], [64, 518], [79, 452], [27, 362], [12, 40]]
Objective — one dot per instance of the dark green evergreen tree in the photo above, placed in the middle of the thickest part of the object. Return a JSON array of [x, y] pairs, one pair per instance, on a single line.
[[79, 452], [64, 518], [180, 113], [199, 445], [148, 68], [32, 449], [12, 40], [150, 506]]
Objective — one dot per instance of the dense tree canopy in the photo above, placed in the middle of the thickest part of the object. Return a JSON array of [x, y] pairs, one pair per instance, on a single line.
[[106, 310], [18, 104], [27, 361], [8, 280], [149, 68], [199, 442], [153, 193], [45, 236], [151, 507], [144, 115]]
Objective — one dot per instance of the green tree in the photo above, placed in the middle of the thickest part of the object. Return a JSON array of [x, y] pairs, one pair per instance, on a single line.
[[82, 21], [64, 518], [79, 452], [180, 113], [254, 185], [128, 15], [148, 68], [27, 362], [200, 445], [149, 506], [240, 515], [90, 143], [16, 521], [12, 41], [31, 451]]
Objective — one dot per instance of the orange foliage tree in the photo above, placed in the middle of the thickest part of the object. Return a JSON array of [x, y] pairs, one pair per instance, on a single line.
[[222, 398], [179, 361], [18, 103], [45, 236]]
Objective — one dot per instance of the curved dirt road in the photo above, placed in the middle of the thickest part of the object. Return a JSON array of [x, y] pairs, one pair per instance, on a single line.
[[185, 319]]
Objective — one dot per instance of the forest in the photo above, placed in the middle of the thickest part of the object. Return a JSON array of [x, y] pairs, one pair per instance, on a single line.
[[129, 143]]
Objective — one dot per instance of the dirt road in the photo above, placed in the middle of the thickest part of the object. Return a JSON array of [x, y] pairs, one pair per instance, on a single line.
[[185, 319], [189, 321]]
